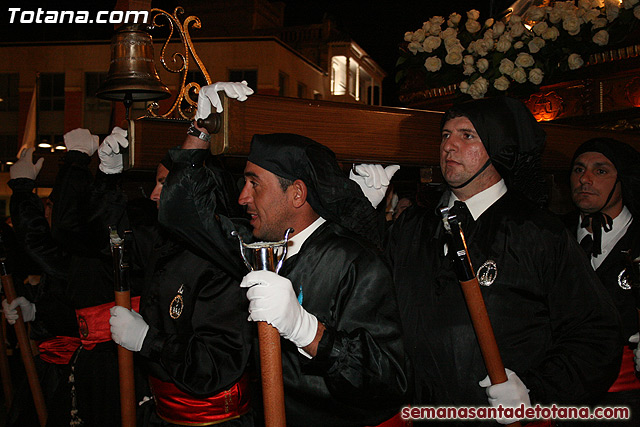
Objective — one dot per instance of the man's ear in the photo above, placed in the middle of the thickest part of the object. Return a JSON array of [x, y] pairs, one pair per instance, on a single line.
[[299, 193]]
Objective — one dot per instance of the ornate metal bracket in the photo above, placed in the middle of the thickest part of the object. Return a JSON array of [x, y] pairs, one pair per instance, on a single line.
[[180, 62]]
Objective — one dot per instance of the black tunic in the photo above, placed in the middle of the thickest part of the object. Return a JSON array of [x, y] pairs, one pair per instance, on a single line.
[[554, 324], [357, 376]]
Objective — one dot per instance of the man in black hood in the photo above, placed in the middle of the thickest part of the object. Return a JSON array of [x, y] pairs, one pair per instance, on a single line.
[[605, 184], [554, 324]]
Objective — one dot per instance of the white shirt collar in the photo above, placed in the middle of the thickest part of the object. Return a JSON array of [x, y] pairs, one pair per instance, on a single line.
[[619, 227], [480, 202], [296, 241]]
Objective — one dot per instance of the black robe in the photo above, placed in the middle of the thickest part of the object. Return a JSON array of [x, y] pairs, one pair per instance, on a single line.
[[358, 375], [554, 324]]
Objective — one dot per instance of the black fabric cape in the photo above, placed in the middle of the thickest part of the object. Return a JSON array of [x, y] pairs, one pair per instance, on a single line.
[[357, 377], [555, 325]]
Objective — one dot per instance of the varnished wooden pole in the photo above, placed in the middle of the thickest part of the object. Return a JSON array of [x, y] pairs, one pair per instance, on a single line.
[[271, 369]]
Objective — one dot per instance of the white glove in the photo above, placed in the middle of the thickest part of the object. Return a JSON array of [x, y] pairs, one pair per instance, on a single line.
[[636, 352], [373, 180], [208, 96], [24, 167], [128, 328], [272, 300], [109, 151], [81, 140], [11, 313], [509, 394]]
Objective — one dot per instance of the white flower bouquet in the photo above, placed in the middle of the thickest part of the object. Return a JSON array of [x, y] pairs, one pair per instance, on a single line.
[[515, 54]]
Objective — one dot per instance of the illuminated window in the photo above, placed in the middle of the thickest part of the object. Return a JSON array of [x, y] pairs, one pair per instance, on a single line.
[[339, 75]]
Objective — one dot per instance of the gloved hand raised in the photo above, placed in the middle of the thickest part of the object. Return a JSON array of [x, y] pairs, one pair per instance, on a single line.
[[109, 151], [81, 140], [128, 328], [208, 96], [373, 180], [272, 300], [509, 394], [10, 311], [24, 167]]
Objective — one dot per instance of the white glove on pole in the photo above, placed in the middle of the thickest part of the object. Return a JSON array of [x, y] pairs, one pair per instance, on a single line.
[[81, 140], [11, 313], [24, 167], [373, 180], [109, 151], [128, 328], [272, 300], [509, 394], [635, 338], [208, 96]]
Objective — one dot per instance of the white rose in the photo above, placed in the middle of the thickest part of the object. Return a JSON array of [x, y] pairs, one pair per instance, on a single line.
[[454, 19], [498, 29], [418, 36], [584, 4], [571, 24], [435, 30], [601, 38], [468, 69], [482, 64], [501, 83], [449, 32], [518, 45], [516, 30], [612, 10], [540, 28], [433, 64], [575, 61], [599, 23], [468, 60], [453, 58], [519, 75], [515, 19], [431, 43], [536, 13], [464, 86], [555, 16], [506, 66], [524, 60], [450, 42], [436, 20], [408, 36], [636, 12], [488, 35], [478, 88], [489, 22], [482, 47], [536, 44], [473, 15], [628, 4], [551, 33], [535, 76], [415, 47], [591, 15], [472, 26], [503, 45], [426, 27]]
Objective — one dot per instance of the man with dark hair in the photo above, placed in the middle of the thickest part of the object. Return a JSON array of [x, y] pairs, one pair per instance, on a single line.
[[333, 301], [555, 326], [605, 184]]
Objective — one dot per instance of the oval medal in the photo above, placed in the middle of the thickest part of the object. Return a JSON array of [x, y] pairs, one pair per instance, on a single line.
[[487, 273], [177, 304]]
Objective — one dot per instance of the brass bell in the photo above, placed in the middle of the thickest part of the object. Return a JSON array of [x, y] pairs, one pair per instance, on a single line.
[[132, 72]]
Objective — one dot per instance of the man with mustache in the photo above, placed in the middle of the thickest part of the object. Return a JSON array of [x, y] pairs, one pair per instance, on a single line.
[[605, 183]]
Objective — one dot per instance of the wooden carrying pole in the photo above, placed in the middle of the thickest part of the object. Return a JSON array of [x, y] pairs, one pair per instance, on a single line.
[[125, 357], [271, 371], [5, 371], [475, 303], [25, 348]]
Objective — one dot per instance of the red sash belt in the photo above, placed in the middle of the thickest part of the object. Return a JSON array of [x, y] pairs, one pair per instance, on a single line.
[[626, 377], [58, 350], [396, 421], [177, 407], [94, 323]]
